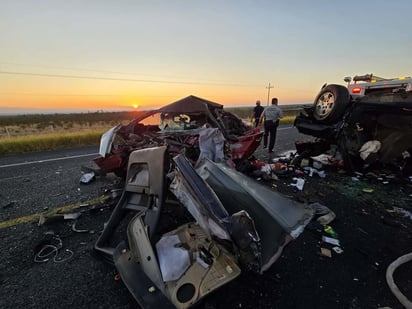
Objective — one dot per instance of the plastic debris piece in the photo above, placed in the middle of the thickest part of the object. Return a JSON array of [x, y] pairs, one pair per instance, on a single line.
[[152, 289], [59, 259], [368, 148], [87, 177], [44, 219], [404, 212], [71, 216], [317, 165], [331, 241], [326, 252], [44, 253], [326, 219], [309, 170], [368, 190], [304, 162], [299, 183], [50, 249], [74, 229], [326, 215], [330, 231], [324, 159], [312, 171], [115, 193], [337, 250]]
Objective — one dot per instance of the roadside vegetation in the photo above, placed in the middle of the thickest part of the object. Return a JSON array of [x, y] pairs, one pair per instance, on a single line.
[[29, 133]]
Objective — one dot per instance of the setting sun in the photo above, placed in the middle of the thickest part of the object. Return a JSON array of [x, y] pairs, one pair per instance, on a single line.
[[135, 106]]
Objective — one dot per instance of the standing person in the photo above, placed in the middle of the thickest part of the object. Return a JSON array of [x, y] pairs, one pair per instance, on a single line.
[[257, 112], [271, 114]]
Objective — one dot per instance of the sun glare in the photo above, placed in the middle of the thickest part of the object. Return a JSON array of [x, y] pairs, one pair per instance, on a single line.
[[135, 106]]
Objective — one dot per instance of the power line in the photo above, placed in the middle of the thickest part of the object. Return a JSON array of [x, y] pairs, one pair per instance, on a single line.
[[121, 79], [93, 70]]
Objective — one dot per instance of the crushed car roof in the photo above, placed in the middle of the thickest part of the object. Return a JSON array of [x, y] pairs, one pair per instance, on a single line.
[[190, 104]]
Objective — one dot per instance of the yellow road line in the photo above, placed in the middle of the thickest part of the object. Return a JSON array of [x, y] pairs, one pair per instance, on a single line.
[[63, 209]]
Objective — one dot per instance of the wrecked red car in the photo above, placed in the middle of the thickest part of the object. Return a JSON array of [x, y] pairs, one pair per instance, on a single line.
[[178, 233], [194, 126], [368, 123]]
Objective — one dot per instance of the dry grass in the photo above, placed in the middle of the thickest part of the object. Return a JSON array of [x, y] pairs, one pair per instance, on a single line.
[[42, 142]]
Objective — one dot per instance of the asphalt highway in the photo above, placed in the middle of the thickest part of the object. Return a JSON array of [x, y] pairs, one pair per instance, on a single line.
[[36, 182], [33, 182], [371, 232]]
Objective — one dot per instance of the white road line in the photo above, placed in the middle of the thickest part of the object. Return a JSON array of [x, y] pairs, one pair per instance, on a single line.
[[49, 160], [284, 128]]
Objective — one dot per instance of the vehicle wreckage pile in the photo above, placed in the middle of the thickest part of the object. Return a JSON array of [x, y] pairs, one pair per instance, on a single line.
[[190, 218], [185, 167]]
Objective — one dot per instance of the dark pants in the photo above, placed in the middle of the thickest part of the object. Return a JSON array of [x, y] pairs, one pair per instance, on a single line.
[[257, 121], [270, 130]]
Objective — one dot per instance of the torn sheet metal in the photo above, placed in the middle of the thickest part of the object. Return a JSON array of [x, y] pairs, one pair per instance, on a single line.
[[232, 220], [106, 141], [278, 220], [192, 192]]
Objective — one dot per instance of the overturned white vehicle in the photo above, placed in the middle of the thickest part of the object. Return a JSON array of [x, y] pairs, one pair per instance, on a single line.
[[369, 122], [179, 233]]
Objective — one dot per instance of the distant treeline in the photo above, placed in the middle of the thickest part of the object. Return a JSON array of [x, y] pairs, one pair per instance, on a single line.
[[43, 120], [59, 119]]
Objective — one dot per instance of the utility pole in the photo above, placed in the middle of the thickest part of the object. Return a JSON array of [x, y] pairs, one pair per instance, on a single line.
[[268, 88]]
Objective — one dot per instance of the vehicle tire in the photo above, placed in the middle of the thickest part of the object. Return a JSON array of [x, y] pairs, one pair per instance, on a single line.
[[330, 103]]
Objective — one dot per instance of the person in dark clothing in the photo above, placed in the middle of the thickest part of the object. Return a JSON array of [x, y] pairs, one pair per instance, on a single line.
[[257, 112], [271, 114]]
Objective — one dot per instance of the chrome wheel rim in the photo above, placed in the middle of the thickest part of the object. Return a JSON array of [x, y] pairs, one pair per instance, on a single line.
[[324, 105]]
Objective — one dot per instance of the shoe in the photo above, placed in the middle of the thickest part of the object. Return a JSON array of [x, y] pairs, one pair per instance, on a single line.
[[264, 147], [270, 151]]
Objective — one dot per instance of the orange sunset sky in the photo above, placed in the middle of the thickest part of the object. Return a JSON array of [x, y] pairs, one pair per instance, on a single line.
[[119, 55]]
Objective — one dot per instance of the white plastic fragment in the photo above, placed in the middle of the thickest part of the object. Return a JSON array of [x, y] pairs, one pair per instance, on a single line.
[[88, 177], [331, 241], [299, 183], [368, 148], [337, 250]]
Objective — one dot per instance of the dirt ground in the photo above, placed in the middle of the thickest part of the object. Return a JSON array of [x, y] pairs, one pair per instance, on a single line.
[[370, 228]]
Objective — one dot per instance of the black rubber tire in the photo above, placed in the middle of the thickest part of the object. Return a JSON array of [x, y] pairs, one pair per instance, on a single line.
[[330, 103]]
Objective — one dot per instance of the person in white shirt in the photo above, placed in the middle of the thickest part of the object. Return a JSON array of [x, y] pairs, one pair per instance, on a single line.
[[271, 115]]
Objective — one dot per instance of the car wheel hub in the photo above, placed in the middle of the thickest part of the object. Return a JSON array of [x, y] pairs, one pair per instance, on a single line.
[[325, 104]]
